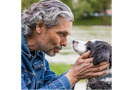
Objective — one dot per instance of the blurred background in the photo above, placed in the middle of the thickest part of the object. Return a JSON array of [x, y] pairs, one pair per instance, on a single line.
[[86, 12], [93, 19]]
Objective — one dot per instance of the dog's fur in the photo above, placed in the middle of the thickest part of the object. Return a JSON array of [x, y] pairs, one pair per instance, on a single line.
[[101, 51]]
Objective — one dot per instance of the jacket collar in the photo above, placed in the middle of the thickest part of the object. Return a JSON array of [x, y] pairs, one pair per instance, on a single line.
[[24, 46]]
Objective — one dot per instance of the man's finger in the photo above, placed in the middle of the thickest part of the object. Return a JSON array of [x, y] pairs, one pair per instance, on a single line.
[[101, 64], [99, 68], [89, 60], [86, 54], [99, 73]]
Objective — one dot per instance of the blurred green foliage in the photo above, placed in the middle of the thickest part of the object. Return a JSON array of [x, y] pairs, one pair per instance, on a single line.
[[107, 20], [26, 3], [83, 10]]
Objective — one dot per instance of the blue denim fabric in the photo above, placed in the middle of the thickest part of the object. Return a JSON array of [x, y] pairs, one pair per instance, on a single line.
[[36, 73]]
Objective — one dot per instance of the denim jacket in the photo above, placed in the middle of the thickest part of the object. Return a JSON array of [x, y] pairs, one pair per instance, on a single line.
[[36, 73]]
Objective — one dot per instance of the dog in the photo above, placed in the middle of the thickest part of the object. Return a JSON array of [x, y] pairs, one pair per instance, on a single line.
[[100, 51]]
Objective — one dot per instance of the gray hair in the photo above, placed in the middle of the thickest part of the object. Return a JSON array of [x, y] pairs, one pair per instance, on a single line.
[[49, 11]]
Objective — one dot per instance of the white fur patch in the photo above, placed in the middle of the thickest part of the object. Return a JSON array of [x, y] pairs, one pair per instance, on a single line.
[[109, 71], [108, 79], [79, 47]]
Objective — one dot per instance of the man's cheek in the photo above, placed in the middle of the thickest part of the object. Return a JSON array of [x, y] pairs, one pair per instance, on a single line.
[[53, 41]]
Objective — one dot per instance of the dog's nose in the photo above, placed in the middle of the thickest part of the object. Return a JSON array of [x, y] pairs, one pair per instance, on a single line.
[[73, 41]]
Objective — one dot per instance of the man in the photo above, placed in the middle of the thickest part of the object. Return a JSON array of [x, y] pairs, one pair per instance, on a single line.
[[45, 27]]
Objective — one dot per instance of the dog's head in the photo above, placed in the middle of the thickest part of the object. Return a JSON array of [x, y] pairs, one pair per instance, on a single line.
[[100, 50]]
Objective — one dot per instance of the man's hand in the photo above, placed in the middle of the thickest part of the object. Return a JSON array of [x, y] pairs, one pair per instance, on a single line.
[[84, 69]]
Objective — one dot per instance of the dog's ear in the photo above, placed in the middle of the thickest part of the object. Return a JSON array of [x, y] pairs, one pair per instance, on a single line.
[[101, 52]]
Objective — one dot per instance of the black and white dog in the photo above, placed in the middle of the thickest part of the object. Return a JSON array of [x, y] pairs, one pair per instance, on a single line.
[[101, 51]]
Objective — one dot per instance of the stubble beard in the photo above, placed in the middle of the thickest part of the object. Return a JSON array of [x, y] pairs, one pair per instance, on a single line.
[[47, 50]]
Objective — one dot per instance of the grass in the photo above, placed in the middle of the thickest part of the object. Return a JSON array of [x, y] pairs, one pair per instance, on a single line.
[[60, 68]]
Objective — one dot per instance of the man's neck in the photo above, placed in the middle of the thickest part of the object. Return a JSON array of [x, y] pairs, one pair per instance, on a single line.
[[31, 42]]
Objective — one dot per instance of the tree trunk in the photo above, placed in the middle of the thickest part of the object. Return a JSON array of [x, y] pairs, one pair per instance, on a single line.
[[104, 10]]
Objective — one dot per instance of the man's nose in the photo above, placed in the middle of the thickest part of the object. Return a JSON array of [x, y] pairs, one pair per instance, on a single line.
[[64, 43]]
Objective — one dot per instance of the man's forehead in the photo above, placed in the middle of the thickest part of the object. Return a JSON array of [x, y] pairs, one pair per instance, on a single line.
[[65, 25]]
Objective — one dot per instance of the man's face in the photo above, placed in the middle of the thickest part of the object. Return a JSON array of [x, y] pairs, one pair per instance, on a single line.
[[51, 40]]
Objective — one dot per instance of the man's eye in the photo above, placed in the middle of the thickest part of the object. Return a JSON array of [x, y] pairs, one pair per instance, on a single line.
[[62, 34]]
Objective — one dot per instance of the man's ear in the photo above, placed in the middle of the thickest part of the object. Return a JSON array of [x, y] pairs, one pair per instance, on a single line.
[[39, 27]]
